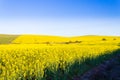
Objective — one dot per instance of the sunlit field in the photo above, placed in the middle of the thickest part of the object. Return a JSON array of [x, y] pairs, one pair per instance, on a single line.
[[59, 39], [54, 58]]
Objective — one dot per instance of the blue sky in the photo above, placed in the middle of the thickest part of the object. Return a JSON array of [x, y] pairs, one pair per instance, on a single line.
[[60, 17]]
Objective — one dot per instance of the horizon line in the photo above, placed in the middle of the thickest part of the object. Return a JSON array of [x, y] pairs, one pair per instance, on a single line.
[[56, 35]]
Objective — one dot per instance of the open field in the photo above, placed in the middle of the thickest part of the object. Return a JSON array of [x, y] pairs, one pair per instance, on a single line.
[[45, 39], [41, 39], [7, 39], [54, 58]]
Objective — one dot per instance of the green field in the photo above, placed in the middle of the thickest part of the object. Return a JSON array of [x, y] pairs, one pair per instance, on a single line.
[[7, 39]]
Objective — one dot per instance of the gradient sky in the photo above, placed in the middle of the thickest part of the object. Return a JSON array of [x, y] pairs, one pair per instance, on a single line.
[[60, 17]]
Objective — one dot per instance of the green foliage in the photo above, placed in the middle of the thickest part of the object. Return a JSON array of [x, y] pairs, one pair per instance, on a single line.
[[114, 39], [103, 39]]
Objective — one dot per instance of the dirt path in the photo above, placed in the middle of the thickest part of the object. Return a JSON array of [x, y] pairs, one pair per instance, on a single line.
[[109, 70]]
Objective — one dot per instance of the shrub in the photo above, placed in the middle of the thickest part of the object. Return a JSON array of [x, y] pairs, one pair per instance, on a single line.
[[103, 39], [114, 39]]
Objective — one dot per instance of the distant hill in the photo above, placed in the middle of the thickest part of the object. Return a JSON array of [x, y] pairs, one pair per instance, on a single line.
[[37, 39], [31, 39], [7, 39], [95, 38]]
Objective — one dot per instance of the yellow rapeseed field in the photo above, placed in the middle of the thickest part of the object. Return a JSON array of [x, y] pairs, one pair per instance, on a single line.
[[21, 62], [63, 58], [36, 39]]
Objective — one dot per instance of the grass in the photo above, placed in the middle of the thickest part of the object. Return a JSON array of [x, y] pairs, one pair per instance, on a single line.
[[7, 39]]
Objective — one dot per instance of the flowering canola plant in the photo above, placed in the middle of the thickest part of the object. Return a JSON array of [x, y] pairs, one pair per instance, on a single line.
[[23, 61]]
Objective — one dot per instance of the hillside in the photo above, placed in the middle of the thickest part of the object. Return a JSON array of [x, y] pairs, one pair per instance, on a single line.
[[7, 39], [37, 39], [41, 39]]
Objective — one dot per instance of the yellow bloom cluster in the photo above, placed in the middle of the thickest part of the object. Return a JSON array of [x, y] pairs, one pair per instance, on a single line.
[[20, 61]]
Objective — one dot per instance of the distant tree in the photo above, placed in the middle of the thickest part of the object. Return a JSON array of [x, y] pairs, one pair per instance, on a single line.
[[78, 41], [114, 39], [47, 42], [68, 42], [103, 39]]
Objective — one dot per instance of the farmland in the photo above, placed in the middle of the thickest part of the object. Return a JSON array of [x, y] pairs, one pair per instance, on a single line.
[[33, 57], [7, 39]]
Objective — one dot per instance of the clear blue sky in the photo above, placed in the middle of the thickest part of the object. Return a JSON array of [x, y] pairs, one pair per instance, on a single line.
[[60, 17]]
